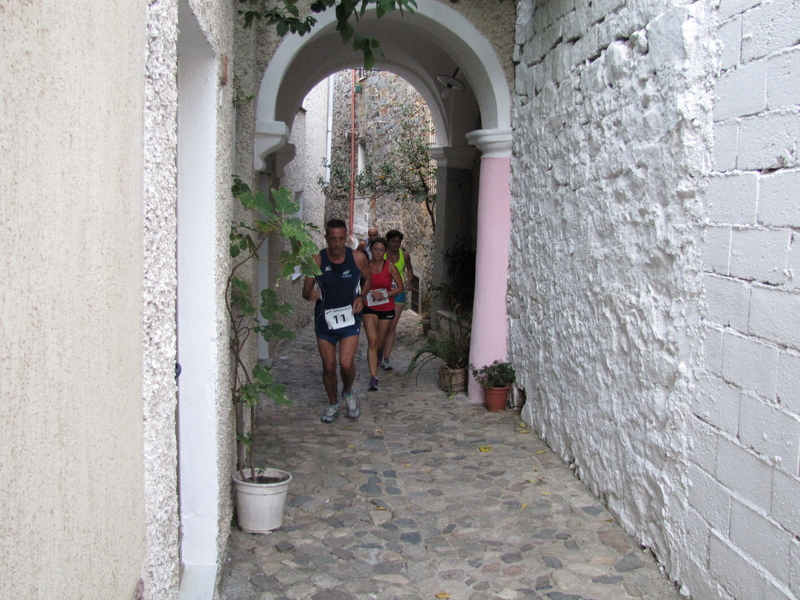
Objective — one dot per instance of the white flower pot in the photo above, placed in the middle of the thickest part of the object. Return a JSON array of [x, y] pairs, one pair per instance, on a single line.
[[260, 506]]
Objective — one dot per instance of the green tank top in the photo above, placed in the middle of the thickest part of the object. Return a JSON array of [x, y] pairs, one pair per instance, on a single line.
[[400, 264]]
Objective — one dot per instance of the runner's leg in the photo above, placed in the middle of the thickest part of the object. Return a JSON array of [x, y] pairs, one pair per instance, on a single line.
[[392, 333], [328, 353], [384, 326], [347, 353], [371, 324]]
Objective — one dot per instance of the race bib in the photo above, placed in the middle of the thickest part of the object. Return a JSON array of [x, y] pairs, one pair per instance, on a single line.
[[338, 318], [371, 299]]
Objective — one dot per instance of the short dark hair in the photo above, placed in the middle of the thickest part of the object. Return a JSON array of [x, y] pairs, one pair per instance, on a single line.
[[394, 233], [378, 240], [335, 224]]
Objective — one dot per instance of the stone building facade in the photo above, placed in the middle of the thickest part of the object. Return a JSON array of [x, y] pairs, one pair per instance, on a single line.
[[380, 99]]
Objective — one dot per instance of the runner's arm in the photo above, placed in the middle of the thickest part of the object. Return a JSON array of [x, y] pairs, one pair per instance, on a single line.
[[366, 280], [409, 268], [398, 281], [310, 291]]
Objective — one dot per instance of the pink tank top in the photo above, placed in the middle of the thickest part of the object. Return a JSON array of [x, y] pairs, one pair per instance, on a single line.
[[383, 281]]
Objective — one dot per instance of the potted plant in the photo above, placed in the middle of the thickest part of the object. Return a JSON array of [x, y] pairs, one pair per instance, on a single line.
[[260, 492], [496, 380], [451, 345]]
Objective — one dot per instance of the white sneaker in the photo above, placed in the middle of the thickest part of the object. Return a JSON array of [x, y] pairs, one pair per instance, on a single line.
[[331, 413], [353, 409], [385, 365]]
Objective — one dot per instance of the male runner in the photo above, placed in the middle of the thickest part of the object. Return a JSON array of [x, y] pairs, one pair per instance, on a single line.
[[364, 245], [339, 298]]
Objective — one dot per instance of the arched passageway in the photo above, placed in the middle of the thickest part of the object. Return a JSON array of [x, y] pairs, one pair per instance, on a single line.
[[434, 40]]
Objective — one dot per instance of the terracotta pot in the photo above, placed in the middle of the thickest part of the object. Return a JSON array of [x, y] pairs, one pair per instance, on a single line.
[[496, 398]]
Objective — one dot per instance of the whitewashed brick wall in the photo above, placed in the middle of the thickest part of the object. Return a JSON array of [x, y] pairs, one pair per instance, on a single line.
[[747, 501], [654, 301], [613, 118]]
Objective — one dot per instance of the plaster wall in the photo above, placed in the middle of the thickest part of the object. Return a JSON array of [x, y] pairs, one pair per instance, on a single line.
[[495, 20], [72, 519], [612, 148], [158, 319]]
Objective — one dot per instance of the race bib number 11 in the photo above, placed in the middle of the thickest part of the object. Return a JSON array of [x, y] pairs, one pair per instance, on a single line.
[[339, 318]]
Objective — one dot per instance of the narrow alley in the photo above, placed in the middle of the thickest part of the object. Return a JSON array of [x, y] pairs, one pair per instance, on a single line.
[[425, 497]]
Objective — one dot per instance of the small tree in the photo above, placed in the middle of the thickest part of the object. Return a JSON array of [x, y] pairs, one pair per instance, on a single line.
[[409, 173], [251, 383]]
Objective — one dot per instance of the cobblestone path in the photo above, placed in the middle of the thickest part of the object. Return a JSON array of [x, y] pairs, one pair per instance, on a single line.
[[425, 497]]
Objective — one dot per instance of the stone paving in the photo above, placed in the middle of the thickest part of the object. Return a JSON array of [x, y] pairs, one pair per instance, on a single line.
[[425, 497]]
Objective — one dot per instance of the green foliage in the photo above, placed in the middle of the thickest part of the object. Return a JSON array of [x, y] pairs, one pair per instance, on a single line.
[[286, 17], [338, 186], [499, 374], [410, 172], [450, 344], [246, 239]]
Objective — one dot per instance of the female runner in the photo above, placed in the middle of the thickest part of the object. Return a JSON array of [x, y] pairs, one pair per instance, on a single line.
[[379, 304], [402, 260]]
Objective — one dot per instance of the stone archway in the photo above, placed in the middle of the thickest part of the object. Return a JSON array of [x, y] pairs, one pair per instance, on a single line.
[[435, 39]]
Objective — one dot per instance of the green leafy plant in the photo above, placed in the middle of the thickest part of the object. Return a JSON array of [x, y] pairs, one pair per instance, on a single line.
[[410, 172], [499, 374], [286, 17], [262, 318], [450, 344]]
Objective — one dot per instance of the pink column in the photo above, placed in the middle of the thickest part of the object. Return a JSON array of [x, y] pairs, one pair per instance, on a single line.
[[491, 263]]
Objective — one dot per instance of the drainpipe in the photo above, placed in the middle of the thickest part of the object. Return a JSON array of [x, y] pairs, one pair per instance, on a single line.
[[352, 149], [329, 133]]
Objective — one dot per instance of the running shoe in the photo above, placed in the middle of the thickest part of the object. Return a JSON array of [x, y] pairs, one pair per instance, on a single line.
[[373, 385], [386, 366], [353, 409], [331, 413]]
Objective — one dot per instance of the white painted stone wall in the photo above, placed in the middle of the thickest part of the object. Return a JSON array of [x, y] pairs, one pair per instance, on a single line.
[[744, 491], [653, 300], [612, 146]]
